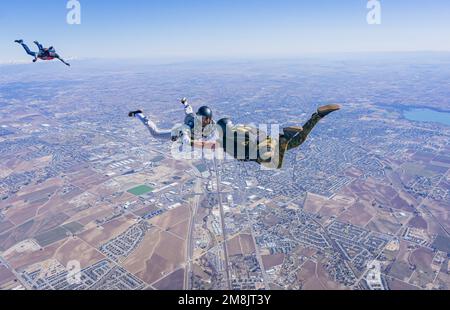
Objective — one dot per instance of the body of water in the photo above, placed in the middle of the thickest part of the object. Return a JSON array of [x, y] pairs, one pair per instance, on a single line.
[[428, 115]]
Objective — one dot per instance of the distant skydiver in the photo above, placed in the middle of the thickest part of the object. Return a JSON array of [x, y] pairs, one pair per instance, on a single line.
[[198, 131], [43, 54], [249, 144]]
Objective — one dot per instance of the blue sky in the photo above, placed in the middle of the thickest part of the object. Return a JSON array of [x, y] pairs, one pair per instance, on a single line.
[[223, 28]]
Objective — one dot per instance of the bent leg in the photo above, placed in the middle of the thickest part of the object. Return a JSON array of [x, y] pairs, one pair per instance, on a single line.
[[40, 47], [27, 49], [153, 128], [288, 142], [292, 140], [301, 137]]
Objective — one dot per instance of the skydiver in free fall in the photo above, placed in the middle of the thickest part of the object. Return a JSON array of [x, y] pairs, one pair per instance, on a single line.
[[244, 143], [43, 53], [249, 144]]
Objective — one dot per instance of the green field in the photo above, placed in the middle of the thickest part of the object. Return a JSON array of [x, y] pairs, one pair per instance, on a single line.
[[140, 190]]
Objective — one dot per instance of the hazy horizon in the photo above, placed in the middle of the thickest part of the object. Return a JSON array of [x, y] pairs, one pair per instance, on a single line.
[[222, 29]]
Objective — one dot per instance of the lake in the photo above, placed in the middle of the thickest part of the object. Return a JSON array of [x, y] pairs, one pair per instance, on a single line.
[[428, 115]]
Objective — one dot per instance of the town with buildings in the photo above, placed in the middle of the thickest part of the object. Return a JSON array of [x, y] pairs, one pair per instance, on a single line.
[[363, 204]]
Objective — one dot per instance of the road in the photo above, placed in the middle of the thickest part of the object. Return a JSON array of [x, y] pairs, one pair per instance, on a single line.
[[18, 277], [258, 253], [190, 239], [222, 218]]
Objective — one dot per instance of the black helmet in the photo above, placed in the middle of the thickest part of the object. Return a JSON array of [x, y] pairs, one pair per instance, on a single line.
[[224, 123], [205, 112]]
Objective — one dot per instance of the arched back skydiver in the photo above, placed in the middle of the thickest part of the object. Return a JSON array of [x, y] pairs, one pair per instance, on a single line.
[[199, 129], [248, 143], [43, 54]]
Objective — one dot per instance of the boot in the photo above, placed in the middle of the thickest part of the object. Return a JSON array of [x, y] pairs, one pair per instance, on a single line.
[[325, 110], [134, 113]]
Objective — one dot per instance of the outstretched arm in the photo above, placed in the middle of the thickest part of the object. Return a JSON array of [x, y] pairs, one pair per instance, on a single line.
[[188, 110], [63, 61]]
